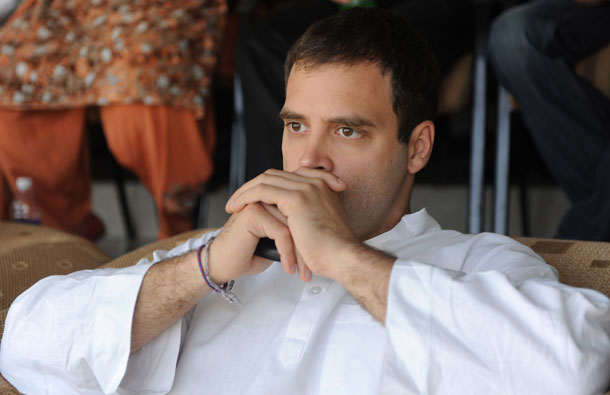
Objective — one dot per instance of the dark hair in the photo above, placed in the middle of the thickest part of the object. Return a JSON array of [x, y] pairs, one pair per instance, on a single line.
[[377, 36]]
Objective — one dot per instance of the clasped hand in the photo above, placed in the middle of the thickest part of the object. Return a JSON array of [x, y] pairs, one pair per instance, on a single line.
[[301, 211]]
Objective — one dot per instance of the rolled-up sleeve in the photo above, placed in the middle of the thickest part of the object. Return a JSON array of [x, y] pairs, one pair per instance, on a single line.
[[519, 331], [72, 334]]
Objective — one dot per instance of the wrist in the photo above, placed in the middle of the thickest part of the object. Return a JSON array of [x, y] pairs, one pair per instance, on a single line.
[[225, 288], [349, 261], [366, 276], [361, 264], [215, 267]]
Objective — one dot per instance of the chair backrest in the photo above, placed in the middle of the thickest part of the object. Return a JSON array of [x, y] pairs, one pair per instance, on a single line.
[[584, 264]]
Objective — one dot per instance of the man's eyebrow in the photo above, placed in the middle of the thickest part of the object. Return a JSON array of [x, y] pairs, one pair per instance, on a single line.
[[288, 114], [352, 121]]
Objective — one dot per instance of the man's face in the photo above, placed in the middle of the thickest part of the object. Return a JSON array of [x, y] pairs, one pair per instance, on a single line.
[[340, 119]]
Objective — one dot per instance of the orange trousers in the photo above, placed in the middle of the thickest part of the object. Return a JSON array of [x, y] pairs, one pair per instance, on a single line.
[[165, 147]]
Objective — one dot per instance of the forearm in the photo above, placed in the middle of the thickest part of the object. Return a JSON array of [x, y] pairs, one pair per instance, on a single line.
[[169, 290], [365, 274]]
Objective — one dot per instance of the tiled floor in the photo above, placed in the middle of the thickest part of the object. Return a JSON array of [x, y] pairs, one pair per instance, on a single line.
[[447, 203]]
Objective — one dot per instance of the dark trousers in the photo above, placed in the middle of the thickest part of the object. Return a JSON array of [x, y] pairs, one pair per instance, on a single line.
[[446, 24], [533, 48]]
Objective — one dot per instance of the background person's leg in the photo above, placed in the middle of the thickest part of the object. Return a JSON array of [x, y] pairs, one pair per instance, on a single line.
[[533, 48], [170, 155], [51, 148]]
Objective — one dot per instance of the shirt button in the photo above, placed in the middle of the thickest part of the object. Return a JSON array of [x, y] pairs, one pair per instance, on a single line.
[[315, 290]]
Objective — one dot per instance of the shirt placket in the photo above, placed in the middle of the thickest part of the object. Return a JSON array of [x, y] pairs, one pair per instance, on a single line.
[[303, 320]]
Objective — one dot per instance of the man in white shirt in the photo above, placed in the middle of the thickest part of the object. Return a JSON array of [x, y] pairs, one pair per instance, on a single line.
[[384, 301]]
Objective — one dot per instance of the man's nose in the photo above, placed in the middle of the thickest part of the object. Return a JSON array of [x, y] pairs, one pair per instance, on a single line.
[[317, 154]]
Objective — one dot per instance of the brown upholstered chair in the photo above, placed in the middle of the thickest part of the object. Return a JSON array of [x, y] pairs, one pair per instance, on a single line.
[[29, 253], [584, 264]]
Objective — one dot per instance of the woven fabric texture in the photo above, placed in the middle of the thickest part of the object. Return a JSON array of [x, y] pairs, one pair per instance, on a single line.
[[580, 263]]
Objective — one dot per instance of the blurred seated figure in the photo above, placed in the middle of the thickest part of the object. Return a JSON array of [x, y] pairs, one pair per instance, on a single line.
[[147, 67], [533, 48], [447, 25]]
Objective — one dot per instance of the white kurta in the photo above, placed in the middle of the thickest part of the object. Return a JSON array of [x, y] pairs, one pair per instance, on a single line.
[[467, 314]]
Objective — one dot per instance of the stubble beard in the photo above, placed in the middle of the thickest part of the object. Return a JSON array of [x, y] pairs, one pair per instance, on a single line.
[[366, 209], [360, 212]]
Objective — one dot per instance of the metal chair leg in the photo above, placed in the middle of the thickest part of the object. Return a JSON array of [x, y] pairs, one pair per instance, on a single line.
[[502, 163], [477, 151], [119, 182]]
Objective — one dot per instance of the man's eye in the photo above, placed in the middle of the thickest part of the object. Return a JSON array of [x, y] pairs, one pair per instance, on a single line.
[[295, 127], [348, 132]]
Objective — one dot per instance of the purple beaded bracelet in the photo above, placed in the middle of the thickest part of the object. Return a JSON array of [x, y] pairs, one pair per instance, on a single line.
[[225, 289]]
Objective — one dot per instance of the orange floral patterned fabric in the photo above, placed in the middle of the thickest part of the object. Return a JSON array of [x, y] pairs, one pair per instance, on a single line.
[[60, 54]]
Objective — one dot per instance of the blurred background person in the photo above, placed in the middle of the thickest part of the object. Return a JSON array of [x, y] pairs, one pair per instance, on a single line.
[[533, 48], [146, 66]]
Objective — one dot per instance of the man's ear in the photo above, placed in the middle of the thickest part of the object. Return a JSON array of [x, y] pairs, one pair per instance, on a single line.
[[420, 146]]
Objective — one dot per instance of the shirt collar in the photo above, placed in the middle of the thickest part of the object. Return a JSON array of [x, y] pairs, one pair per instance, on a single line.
[[409, 226]]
